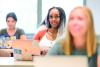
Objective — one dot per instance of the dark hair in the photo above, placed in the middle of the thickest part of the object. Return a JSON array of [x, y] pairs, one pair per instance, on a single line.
[[61, 13], [11, 14]]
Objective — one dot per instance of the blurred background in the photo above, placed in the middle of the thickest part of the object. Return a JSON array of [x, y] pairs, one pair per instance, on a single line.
[[31, 13]]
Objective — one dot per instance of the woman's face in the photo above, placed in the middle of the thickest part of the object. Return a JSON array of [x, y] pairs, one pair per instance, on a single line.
[[54, 18], [77, 25], [11, 22]]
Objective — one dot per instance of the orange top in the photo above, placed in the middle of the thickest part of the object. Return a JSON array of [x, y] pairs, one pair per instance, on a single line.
[[40, 34]]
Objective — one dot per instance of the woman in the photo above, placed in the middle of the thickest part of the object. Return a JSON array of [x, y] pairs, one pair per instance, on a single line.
[[11, 32], [80, 37], [55, 22]]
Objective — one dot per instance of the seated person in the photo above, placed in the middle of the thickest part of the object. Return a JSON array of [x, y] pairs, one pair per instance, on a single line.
[[80, 38], [11, 31], [55, 23]]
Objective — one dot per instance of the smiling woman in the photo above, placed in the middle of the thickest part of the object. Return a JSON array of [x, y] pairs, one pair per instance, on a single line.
[[55, 22]]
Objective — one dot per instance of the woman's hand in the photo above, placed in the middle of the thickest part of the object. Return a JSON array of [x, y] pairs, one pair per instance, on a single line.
[[44, 50]]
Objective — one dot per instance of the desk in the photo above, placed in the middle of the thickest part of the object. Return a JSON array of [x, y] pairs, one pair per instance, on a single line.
[[61, 61], [47, 61], [11, 62]]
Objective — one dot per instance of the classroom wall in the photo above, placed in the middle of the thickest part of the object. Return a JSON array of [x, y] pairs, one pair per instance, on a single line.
[[94, 5]]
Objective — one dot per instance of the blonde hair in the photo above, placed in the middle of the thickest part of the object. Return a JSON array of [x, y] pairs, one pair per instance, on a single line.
[[90, 38]]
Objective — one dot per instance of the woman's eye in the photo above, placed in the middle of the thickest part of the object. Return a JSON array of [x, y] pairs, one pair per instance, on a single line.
[[80, 18], [56, 17], [71, 18], [50, 16], [8, 21]]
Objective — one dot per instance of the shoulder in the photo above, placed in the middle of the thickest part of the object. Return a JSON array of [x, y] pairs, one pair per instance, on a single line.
[[19, 31], [40, 34], [2, 31], [42, 27]]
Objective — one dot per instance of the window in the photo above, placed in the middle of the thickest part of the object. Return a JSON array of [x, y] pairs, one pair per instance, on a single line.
[[31, 13], [26, 11], [67, 5]]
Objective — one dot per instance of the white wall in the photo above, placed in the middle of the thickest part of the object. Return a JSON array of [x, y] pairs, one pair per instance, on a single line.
[[67, 5], [94, 5], [26, 11]]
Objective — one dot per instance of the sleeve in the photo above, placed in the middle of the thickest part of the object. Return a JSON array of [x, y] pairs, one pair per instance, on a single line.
[[21, 32], [39, 35], [56, 50], [2, 32]]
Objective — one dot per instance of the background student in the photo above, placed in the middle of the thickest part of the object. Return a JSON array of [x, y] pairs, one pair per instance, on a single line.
[[55, 23], [11, 31]]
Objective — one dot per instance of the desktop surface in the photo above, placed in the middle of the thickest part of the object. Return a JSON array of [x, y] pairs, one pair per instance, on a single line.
[[46, 61]]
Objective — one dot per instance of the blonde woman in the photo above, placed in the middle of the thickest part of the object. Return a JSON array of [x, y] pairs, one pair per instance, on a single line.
[[80, 37]]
